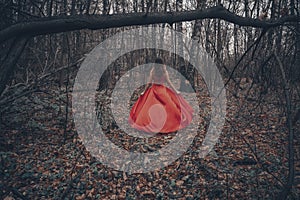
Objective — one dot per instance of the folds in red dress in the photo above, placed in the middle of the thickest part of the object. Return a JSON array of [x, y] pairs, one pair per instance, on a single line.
[[161, 110]]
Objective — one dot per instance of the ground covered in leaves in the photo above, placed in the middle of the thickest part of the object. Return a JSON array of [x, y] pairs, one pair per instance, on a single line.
[[42, 156]]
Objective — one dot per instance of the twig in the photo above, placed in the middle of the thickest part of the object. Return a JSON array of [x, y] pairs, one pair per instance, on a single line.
[[70, 185], [242, 57], [257, 158], [14, 191], [26, 89], [240, 60]]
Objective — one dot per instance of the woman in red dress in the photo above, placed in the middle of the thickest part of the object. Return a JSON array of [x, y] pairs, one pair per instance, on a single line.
[[160, 109]]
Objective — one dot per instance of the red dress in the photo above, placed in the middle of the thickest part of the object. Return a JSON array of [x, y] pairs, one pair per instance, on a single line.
[[160, 110]]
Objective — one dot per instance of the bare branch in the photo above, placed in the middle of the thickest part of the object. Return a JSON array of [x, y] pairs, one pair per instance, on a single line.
[[77, 22]]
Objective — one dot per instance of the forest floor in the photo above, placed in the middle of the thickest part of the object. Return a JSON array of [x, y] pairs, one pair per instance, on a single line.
[[43, 157]]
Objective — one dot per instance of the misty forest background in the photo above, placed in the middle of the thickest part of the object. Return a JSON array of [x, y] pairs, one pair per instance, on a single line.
[[256, 47]]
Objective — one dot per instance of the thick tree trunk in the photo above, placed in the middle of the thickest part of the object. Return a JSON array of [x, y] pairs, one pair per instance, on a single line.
[[9, 64], [291, 172]]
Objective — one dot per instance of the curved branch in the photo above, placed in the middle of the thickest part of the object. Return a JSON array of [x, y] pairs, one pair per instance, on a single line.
[[77, 22]]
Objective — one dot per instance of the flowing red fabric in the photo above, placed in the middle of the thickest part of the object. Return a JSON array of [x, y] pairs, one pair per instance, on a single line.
[[160, 110]]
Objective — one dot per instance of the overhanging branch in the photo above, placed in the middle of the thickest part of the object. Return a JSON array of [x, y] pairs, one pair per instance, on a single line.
[[77, 22]]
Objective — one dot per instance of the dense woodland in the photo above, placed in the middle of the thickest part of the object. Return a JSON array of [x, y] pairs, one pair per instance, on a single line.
[[256, 47]]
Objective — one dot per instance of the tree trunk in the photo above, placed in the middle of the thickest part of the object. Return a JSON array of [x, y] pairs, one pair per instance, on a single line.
[[8, 66]]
